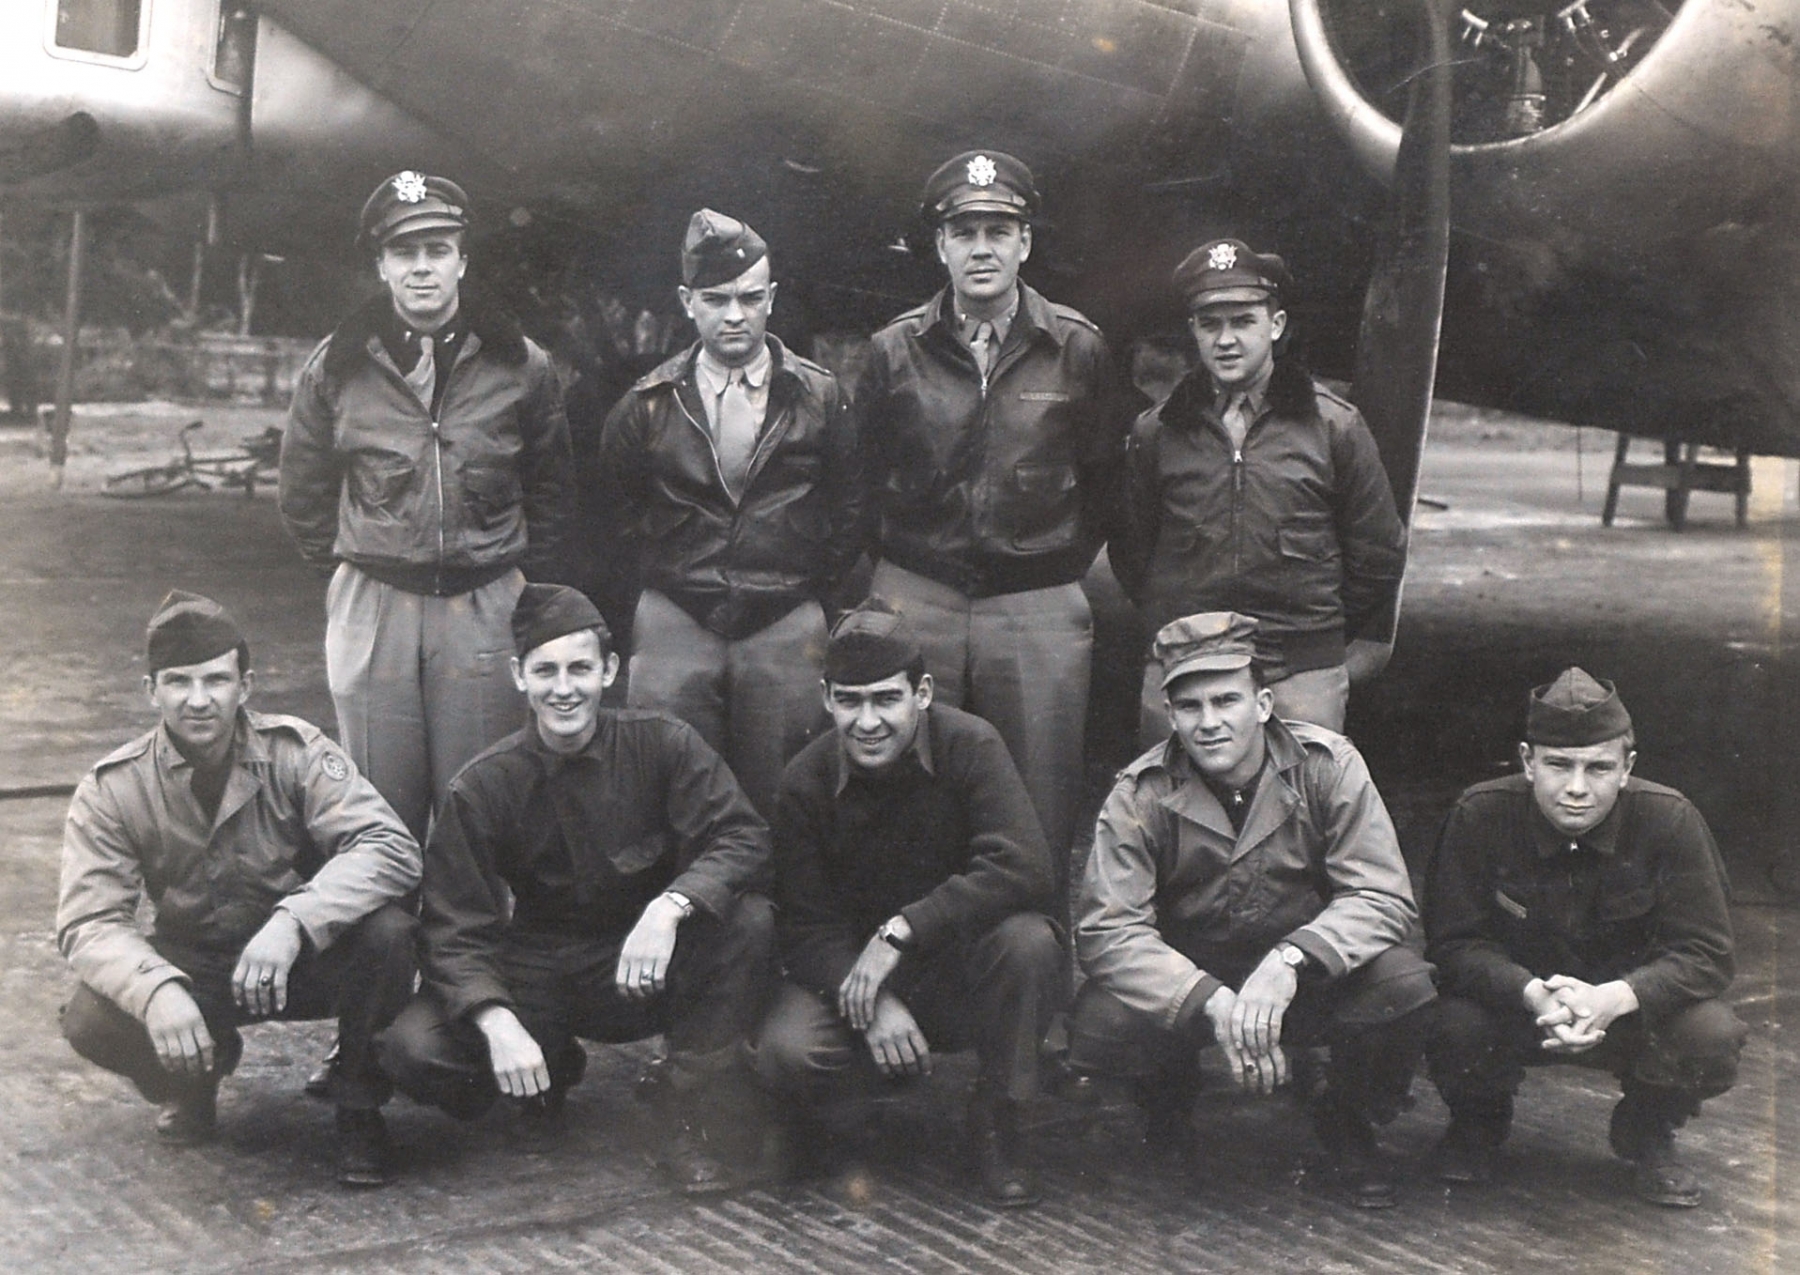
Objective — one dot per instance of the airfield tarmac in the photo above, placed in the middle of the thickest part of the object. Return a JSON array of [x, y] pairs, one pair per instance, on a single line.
[[1512, 580]]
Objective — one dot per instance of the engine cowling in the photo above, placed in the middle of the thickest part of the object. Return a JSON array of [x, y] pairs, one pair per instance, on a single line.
[[1605, 126]]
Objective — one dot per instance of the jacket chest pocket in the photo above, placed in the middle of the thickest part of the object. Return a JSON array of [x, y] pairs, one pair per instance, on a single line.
[[491, 490], [1628, 913], [639, 855], [382, 482], [1310, 540], [1040, 504]]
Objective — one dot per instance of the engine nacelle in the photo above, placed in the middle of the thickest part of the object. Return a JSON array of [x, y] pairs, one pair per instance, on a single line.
[[1602, 126]]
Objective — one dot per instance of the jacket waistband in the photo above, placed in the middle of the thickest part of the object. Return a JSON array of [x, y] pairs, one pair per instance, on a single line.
[[991, 578], [433, 581]]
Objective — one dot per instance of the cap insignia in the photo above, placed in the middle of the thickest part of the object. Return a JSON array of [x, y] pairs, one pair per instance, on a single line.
[[409, 187], [1221, 257], [982, 171]]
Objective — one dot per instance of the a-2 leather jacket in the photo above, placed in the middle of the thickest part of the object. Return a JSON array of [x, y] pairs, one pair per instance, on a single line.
[[436, 506], [1297, 528], [737, 566], [992, 485]]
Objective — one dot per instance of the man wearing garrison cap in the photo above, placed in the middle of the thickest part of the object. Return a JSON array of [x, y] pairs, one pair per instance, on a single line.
[[737, 470], [993, 432], [915, 890], [589, 876], [1578, 914], [275, 870], [425, 466], [1256, 489], [1246, 889]]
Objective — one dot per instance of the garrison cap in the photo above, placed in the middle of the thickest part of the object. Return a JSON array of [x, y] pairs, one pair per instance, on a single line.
[[545, 612], [980, 181], [190, 629], [718, 249], [1211, 642], [1574, 711], [1229, 270], [869, 644], [409, 202]]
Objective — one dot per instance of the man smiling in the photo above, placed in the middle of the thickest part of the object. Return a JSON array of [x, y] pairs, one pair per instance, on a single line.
[[589, 876], [1578, 914], [913, 881], [1246, 889]]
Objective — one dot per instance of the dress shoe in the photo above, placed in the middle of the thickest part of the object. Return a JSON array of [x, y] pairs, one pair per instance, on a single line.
[[1643, 1131], [362, 1146], [997, 1150], [1364, 1178], [1467, 1153], [191, 1117], [691, 1164]]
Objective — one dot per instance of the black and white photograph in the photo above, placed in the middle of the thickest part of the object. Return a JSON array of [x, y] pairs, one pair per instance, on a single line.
[[990, 636]]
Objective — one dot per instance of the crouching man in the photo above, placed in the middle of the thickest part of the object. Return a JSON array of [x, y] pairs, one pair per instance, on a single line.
[[589, 877], [1246, 889], [275, 869], [914, 883], [1578, 914]]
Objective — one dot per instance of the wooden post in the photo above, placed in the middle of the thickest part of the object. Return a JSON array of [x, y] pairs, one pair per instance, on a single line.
[[65, 368]]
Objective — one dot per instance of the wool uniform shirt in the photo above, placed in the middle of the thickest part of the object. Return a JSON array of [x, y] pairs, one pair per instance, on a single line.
[[945, 837], [1640, 897]]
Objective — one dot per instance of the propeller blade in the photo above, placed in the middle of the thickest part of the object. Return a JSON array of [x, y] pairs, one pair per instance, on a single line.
[[1403, 310]]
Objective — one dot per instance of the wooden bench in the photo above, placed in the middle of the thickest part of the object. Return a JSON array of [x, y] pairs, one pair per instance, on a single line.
[[1680, 475]]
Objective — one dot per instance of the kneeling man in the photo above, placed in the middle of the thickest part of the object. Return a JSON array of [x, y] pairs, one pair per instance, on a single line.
[[588, 877], [275, 870], [1578, 914], [1246, 889], [915, 885]]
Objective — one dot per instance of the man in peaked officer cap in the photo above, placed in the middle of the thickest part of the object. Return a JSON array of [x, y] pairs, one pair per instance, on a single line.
[[736, 469], [590, 876], [1246, 889], [1254, 488], [275, 870], [993, 432], [1578, 914], [425, 465], [915, 890]]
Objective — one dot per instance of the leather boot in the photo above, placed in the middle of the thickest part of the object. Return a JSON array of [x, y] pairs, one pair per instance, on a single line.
[[1469, 1151], [1642, 1131], [362, 1146], [997, 1149], [1364, 1177]]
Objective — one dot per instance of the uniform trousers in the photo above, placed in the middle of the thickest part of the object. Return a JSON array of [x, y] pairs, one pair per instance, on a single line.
[[364, 978], [1374, 1019], [562, 987], [1023, 662], [755, 700], [995, 993], [421, 683], [1478, 1055], [1317, 695]]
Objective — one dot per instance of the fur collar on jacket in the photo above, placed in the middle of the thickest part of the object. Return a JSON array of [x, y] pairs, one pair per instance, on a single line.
[[501, 336], [1290, 392]]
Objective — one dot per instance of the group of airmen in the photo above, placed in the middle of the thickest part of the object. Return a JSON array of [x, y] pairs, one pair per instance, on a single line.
[[828, 838]]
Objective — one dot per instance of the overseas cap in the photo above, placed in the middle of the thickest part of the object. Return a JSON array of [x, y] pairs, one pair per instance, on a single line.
[[1229, 270], [409, 202], [546, 612], [190, 629], [718, 249], [980, 181], [1211, 642], [1574, 711], [870, 644]]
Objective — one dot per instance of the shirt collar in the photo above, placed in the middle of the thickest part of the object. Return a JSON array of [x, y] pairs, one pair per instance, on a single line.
[[1255, 396], [713, 376], [921, 750], [246, 747], [1602, 838], [965, 325]]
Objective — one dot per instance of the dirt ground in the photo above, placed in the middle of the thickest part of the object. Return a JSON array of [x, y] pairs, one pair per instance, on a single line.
[[1511, 580]]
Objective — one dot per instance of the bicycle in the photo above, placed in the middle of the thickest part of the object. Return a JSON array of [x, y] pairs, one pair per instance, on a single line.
[[252, 464]]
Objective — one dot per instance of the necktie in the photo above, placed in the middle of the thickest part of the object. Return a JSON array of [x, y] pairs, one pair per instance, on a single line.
[[1236, 418], [737, 429], [423, 377], [982, 346]]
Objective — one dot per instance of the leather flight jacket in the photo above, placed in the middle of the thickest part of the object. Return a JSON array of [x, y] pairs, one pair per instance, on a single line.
[[994, 484]]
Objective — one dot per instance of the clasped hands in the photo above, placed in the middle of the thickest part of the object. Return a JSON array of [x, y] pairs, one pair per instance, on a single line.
[[1247, 1024], [1573, 1015]]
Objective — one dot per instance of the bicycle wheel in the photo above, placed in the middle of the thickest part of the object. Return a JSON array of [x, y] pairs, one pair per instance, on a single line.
[[156, 480]]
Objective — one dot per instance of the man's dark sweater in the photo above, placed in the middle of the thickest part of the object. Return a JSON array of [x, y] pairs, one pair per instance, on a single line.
[[945, 837]]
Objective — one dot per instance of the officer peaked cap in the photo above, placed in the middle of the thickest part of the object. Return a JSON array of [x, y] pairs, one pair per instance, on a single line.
[[980, 181], [410, 202], [1229, 270]]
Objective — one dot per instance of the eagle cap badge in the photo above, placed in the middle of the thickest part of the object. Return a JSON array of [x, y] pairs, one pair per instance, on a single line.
[[982, 171], [409, 187], [1221, 257]]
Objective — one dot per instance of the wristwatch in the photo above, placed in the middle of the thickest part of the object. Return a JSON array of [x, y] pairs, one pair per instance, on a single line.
[[887, 934], [1291, 956]]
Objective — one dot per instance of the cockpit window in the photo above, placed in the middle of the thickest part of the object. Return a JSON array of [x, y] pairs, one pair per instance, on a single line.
[[109, 28], [235, 50]]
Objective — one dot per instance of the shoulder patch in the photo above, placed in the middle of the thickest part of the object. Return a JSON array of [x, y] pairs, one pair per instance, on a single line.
[[334, 765]]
